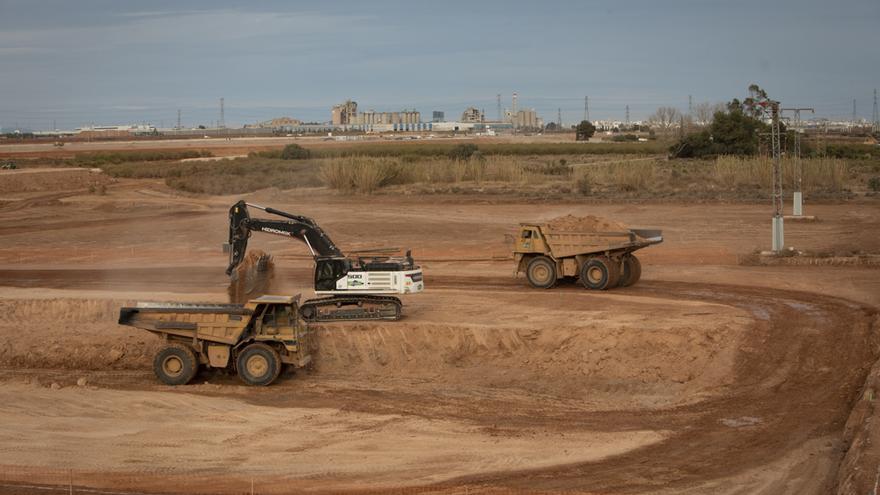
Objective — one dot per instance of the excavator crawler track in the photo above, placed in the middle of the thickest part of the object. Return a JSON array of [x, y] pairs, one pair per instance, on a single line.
[[347, 308]]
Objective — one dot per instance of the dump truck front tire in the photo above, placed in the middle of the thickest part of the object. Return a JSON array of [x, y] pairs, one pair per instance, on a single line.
[[631, 271], [541, 272], [175, 364], [258, 364], [600, 273]]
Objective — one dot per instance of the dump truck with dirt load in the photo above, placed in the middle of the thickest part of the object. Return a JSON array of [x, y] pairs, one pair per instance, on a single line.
[[597, 252], [253, 340]]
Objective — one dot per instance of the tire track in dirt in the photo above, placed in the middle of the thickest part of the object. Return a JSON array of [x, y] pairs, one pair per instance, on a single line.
[[796, 375]]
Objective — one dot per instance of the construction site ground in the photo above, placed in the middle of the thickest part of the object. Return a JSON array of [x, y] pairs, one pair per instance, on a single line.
[[709, 376]]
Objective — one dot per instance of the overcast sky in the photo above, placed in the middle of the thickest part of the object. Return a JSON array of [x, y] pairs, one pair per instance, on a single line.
[[122, 62]]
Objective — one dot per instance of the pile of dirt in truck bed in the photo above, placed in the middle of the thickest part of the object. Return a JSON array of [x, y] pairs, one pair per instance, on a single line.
[[252, 278], [589, 223]]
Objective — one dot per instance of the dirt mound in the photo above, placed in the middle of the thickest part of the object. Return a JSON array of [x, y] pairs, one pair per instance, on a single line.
[[252, 278], [589, 223], [51, 179], [70, 334]]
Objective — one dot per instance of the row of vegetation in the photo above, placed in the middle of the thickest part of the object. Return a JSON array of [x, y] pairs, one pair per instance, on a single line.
[[431, 149], [724, 177]]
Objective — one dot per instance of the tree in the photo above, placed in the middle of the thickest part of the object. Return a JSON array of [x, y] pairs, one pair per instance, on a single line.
[[584, 131], [551, 127], [705, 112], [734, 131], [665, 117]]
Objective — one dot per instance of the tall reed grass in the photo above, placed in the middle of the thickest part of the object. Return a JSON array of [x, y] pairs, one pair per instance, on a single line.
[[827, 174]]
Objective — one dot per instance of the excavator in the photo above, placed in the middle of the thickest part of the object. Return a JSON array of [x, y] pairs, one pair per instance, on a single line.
[[354, 288]]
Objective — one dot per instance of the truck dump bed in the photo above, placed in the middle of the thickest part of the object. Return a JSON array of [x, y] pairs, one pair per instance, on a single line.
[[222, 323], [566, 243]]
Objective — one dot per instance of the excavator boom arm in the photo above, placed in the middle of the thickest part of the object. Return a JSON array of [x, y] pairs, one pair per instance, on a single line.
[[299, 227]]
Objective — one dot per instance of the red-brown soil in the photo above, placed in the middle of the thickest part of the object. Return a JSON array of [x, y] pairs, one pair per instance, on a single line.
[[706, 377]]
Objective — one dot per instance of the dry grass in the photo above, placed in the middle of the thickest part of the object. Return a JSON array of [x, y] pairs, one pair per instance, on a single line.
[[624, 176], [819, 174]]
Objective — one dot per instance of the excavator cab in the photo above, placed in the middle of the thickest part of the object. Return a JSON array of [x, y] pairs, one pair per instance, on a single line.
[[329, 270]]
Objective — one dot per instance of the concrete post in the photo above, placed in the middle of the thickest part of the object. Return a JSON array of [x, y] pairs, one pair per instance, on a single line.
[[798, 204], [778, 234]]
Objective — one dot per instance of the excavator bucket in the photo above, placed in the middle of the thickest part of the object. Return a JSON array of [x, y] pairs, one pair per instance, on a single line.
[[238, 235]]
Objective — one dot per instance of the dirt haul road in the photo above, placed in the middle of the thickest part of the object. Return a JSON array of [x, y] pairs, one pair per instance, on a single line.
[[706, 377]]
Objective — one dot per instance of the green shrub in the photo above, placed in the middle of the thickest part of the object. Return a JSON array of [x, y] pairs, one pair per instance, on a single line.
[[295, 152], [462, 151], [874, 183]]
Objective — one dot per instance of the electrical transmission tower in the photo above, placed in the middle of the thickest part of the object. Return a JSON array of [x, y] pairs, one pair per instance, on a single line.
[[875, 118], [627, 116], [690, 105], [854, 114], [587, 108], [498, 101], [178, 119], [222, 123], [558, 119], [798, 197], [775, 138]]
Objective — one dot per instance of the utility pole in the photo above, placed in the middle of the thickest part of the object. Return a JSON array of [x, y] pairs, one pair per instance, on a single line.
[[854, 114], [513, 113], [775, 138], [876, 116], [798, 198]]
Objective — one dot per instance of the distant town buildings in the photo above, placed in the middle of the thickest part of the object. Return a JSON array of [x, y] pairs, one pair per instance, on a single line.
[[438, 116], [275, 123]]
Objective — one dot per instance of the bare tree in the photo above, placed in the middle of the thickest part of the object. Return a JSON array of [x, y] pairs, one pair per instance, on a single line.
[[704, 113], [665, 117]]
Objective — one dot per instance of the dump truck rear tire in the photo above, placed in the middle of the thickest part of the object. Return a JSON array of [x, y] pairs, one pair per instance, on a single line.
[[631, 271], [175, 364], [600, 273], [258, 364], [541, 272]]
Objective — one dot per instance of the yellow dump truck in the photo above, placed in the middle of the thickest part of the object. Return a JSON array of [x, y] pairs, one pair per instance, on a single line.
[[254, 339], [599, 259]]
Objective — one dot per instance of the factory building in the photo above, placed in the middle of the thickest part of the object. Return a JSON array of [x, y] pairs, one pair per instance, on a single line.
[[343, 113], [372, 117], [472, 114], [527, 119]]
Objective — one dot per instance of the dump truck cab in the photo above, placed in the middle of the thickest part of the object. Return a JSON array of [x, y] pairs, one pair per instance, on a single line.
[[530, 240], [254, 340]]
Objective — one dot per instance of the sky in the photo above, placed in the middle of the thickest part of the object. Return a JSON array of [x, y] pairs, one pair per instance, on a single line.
[[69, 64]]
